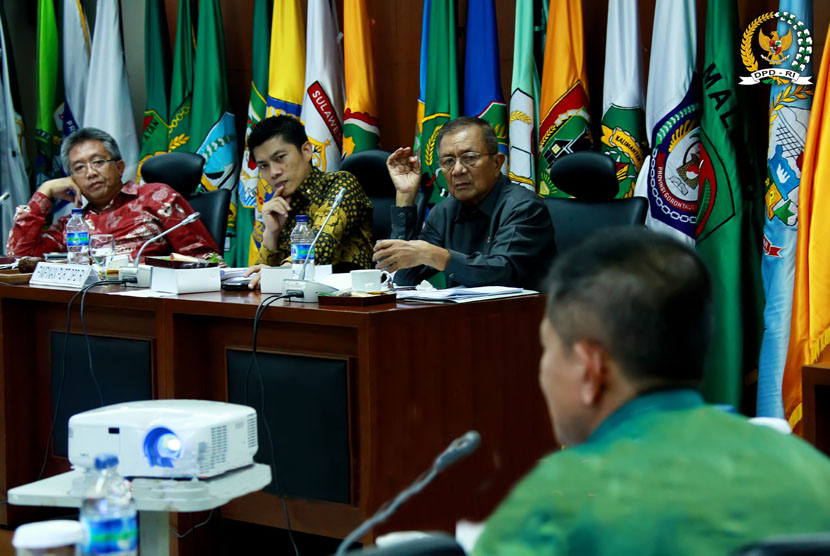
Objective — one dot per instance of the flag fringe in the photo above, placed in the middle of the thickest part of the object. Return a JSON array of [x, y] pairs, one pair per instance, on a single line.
[[817, 346]]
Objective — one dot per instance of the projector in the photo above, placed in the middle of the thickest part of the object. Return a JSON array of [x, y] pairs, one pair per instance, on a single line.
[[166, 438]]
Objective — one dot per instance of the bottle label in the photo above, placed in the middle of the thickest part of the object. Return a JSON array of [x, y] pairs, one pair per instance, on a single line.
[[299, 252], [110, 536], [77, 239]]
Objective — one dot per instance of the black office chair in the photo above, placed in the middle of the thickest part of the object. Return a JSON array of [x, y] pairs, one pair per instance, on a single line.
[[369, 167], [213, 206], [436, 544], [586, 175], [591, 177], [183, 172], [788, 545], [180, 170]]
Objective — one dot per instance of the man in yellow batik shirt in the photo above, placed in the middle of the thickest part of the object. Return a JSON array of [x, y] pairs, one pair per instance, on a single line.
[[280, 147]]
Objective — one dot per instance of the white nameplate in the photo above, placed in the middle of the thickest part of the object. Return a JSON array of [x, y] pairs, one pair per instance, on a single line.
[[62, 275]]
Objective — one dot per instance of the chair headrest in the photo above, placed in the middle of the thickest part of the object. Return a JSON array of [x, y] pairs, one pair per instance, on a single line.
[[369, 167], [587, 175], [181, 171]]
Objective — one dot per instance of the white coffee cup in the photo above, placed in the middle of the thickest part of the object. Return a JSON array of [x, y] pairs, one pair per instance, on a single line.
[[369, 280]]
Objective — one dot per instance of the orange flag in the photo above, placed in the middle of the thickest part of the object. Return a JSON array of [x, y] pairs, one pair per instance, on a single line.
[[810, 325]]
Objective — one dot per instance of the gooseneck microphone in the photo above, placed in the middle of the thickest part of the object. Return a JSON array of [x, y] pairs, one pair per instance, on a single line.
[[190, 219], [337, 199], [460, 448]]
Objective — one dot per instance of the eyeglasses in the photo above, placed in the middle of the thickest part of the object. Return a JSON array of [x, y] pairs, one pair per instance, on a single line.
[[469, 159], [97, 165]]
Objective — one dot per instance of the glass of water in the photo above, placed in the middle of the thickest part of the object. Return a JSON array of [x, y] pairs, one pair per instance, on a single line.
[[102, 250]]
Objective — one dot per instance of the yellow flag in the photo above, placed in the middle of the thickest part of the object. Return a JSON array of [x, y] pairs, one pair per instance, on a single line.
[[286, 74], [360, 124], [563, 104], [810, 325]]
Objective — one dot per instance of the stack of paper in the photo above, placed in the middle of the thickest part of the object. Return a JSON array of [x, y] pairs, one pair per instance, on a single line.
[[462, 294]]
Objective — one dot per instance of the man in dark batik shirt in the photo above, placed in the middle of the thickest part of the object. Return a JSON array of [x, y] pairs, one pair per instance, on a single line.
[[490, 232], [282, 152]]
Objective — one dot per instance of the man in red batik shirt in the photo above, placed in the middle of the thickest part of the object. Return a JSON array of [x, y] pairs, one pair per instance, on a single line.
[[131, 213]]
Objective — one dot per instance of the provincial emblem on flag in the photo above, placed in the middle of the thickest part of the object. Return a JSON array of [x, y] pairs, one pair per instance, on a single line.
[[673, 178], [565, 129], [219, 152], [620, 129]]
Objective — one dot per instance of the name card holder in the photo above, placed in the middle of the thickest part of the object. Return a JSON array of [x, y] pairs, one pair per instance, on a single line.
[[62, 275]]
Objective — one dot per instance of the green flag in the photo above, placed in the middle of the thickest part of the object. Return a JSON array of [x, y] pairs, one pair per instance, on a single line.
[[212, 126], [156, 81], [730, 200], [47, 136], [249, 174], [181, 86], [441, 102]]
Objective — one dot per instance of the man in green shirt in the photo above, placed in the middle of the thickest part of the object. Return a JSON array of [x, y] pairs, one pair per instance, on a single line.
[[283, 154], [648, 468]]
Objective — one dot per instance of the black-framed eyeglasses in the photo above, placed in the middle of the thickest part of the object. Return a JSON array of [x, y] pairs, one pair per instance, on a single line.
[[468, 159], [97, 165]]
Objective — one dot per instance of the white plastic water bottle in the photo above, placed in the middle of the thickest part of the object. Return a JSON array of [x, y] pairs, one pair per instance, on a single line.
[[108, 514], [77, 238], [301, 238]]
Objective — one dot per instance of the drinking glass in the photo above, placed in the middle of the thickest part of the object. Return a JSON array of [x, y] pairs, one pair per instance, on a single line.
[[102, 250]]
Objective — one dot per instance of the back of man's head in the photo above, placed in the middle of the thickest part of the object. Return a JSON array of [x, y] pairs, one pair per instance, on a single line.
[[644, 296], [287, 128]]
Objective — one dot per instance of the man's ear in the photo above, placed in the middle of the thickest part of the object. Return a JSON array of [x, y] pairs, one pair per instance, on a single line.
[[120, 164], [307, 151], [499, 159], [591, 357]]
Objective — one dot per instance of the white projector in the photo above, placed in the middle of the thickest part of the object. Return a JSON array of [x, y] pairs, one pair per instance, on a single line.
[[166, 438]]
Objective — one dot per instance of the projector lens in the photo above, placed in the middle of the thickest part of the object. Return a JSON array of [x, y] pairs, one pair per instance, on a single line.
[[169, 446]]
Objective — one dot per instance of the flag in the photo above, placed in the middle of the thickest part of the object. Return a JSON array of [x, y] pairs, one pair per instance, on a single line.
[[75, 65], [566, 125], [323, 99], [360, 122], [623, 120], [249, 173], [524, 100], [668, 176], [730, 199], [181, 84], [108, 105], [789, 116], [286, 76], [422, 76], [482, 77], [13, 179], [287, 60], [441, 99], [810, 328], [47, 135], [212, 126], [156, 80]]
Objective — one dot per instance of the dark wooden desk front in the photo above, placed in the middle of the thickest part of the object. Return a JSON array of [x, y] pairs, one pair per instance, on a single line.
[[418, 376]]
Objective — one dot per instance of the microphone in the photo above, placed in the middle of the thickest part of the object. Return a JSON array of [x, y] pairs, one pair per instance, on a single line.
[[141, 274], [306, 290], [192, 218], [460, 448], [337, 199], [4, 197]]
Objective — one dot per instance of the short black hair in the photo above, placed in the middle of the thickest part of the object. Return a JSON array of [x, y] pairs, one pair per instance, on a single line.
[[88, 134], [487, 132], [645, 297], [287, 128]]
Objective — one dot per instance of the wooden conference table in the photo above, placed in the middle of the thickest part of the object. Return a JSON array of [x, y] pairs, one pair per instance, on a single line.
[[359, 400]]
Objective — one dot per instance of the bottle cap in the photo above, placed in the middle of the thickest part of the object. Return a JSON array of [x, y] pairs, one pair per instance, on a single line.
[[302, 218], [48, 534], [105, 461], [77, 211]]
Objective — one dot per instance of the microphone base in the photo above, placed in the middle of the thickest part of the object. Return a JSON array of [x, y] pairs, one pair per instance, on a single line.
[[309, 290], [141, 273]]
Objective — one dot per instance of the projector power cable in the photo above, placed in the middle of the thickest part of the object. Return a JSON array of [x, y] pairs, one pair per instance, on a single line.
[[254, 365], [81, 292]]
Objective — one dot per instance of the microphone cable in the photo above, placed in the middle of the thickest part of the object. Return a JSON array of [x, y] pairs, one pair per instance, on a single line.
[[254, 365], [82, 293]]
